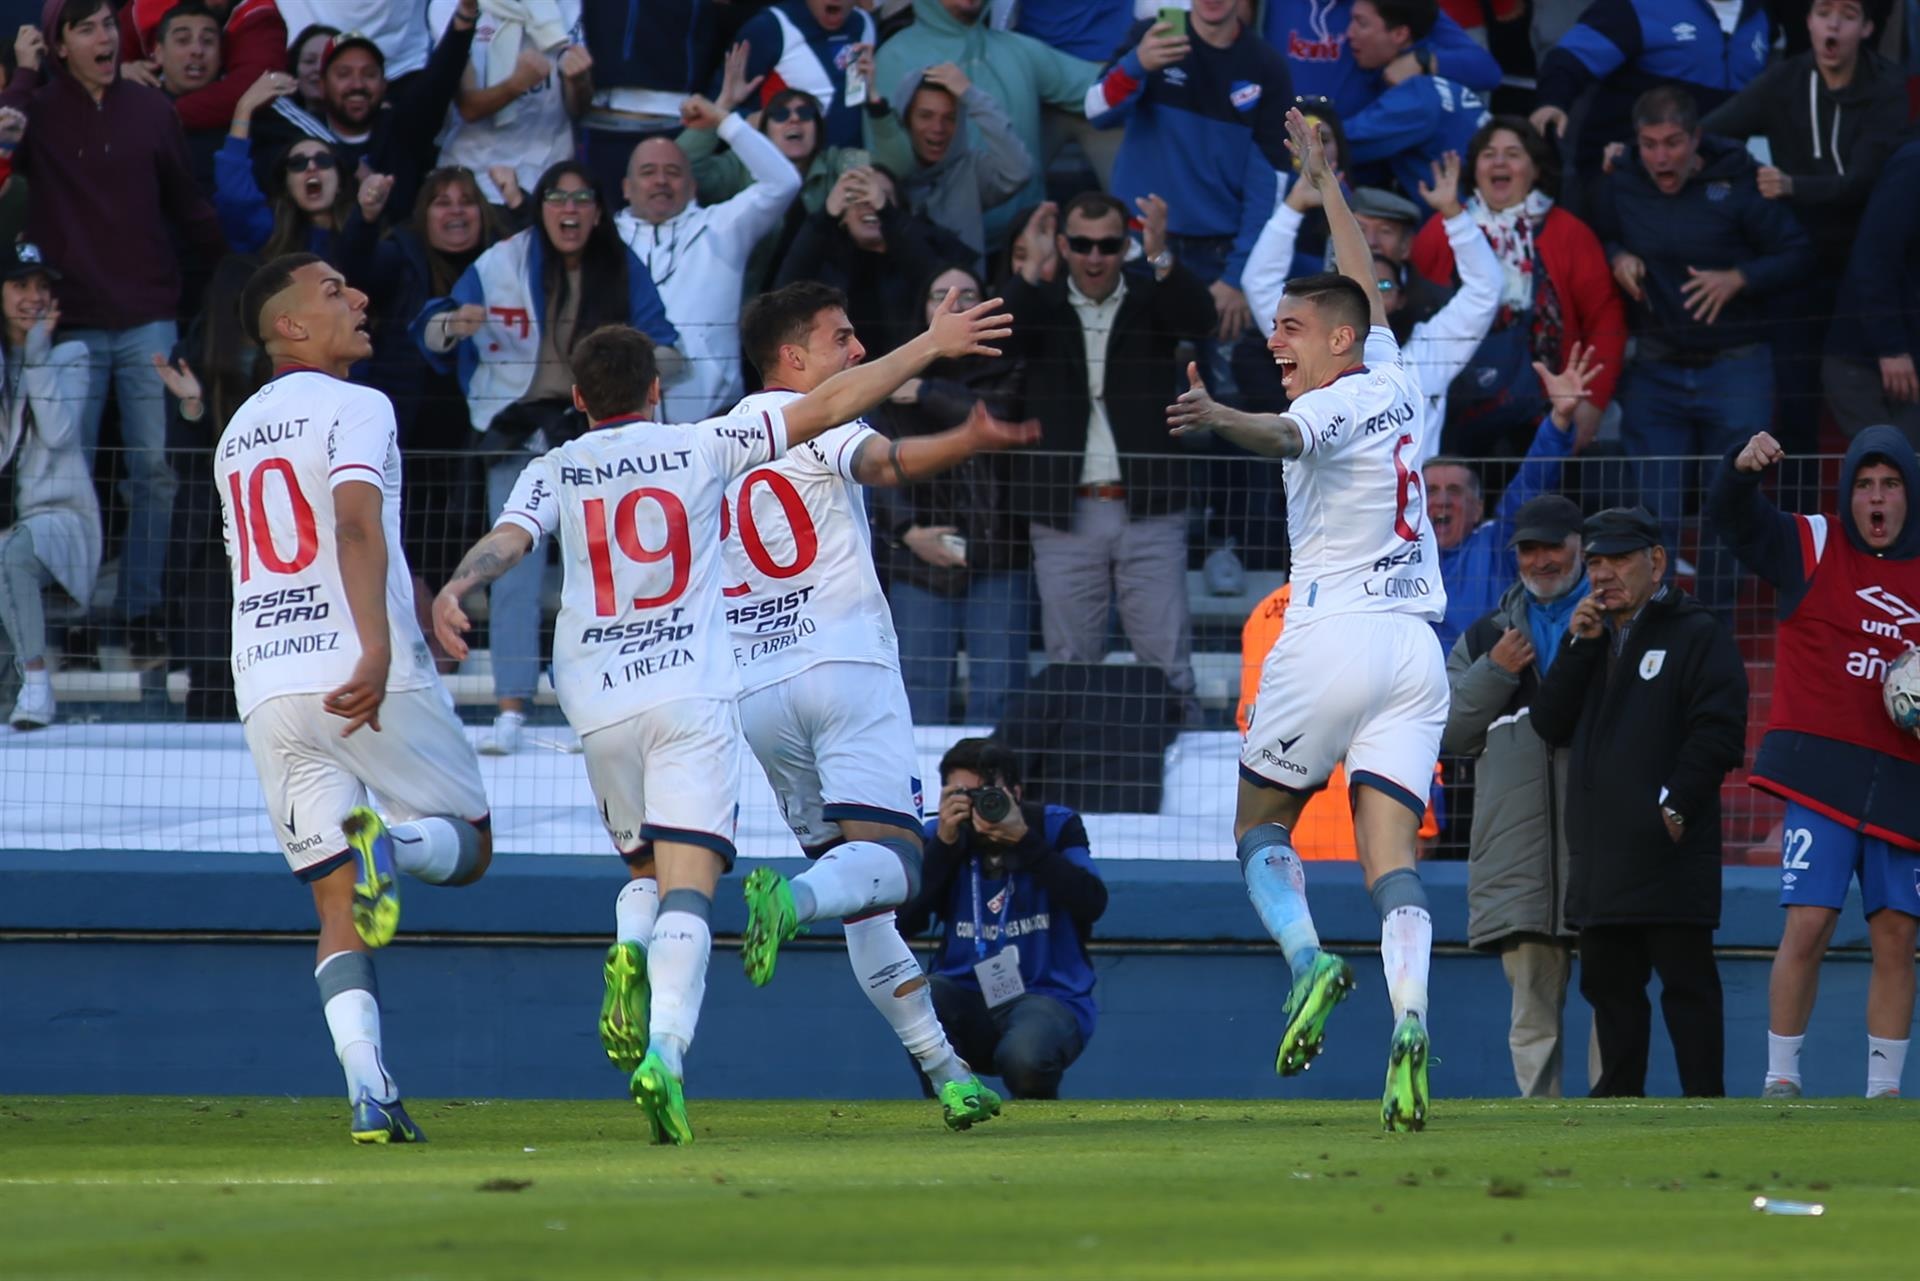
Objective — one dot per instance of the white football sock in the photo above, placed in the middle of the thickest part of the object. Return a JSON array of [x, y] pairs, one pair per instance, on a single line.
[[635, 911], [849, 880], [1406, 949], [893, 981], [1885, 1061], [353, 1018], [435, 849], [677, 970], [1783, 1058]]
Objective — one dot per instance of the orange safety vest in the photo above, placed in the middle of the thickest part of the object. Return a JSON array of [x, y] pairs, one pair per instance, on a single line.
[[1325, 829]]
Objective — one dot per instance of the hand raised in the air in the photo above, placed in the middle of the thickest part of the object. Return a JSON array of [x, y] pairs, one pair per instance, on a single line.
[[1760, 453], [957, 333]]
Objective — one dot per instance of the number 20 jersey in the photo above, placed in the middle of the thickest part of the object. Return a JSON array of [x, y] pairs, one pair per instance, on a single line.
[[636, 506], [1356, 503], [801, 587], [276, 466]]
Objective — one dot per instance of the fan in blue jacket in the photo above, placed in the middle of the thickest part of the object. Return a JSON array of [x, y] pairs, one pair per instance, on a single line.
[[1416, 122], [812, 45], [1312, 36], [1631, 46], [1870, 371]]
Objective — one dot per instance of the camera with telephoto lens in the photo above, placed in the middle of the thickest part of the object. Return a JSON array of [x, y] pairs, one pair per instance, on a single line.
[[992, 804]]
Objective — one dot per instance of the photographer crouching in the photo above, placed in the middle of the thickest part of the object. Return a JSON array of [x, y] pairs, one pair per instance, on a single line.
[[1016, 895]]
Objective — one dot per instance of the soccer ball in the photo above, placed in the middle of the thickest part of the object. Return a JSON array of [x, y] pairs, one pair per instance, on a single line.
[[1900, 691]]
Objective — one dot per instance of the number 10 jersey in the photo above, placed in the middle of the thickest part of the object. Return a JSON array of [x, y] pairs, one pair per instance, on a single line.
[[636, 506]]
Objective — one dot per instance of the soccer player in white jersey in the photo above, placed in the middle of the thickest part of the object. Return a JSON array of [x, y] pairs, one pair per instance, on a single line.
[[1357, 674], [337, 689], [821, 700], [643, 661]]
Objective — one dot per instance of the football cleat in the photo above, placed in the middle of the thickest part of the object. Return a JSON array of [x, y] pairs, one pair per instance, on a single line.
[[376, 890], [1404, 1105], [1780, 1088], [771, 921], [625, 1006], [382, 1123], [967, 1103], [1312, 999], [658, 1093]]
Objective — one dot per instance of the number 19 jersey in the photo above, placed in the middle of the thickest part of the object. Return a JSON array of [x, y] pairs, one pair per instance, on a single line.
[[636, 506], [276, 465], [1356, 503], [801, 584]]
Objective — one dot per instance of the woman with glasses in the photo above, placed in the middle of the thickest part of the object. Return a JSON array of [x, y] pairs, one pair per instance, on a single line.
[[1556, 294], [792, 120], [506, 331], [956, 563]]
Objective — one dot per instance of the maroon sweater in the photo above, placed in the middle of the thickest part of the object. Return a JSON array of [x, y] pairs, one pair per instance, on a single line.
[[114, 201]]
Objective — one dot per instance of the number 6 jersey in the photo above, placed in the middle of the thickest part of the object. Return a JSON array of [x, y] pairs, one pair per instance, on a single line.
[[277, 465], [636, 506]]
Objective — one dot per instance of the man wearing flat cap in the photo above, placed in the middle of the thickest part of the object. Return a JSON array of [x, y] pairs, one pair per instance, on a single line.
[[1650, 693], [1517, 852]]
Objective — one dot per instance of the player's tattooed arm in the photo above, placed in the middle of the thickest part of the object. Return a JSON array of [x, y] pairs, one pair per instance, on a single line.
[[486, 560], [915, 458], [1275, 435]]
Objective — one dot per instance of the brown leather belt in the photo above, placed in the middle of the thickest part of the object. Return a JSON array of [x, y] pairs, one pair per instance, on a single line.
[[1111, 493]]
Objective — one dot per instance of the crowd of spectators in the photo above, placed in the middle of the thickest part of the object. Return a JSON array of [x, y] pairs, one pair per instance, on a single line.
[[1706, 208]]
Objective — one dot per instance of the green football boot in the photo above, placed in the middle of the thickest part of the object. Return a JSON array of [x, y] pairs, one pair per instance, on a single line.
[[1404, 1105], [1325, 985], [771, 921], [967, 1103], [625, 1006], [658, 1093], [376, 890]]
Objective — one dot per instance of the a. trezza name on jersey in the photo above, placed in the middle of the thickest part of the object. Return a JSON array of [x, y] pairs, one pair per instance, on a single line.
[[630, 465], [652, 666], [641, 634], [266, 434], [320, 643], [289, 605]]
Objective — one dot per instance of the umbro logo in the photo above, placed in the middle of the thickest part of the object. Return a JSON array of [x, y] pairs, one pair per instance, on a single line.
[[1903, 614], [1685, 33], [1286, 744]]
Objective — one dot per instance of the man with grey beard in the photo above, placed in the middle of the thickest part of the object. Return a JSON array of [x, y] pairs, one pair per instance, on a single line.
[[1517, 869]]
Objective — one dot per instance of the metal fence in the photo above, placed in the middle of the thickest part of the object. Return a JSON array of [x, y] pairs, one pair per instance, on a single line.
[[146, 753]]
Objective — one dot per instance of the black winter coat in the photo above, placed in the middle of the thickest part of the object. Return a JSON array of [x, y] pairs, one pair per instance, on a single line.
[[1142, 380], [1670, 712]]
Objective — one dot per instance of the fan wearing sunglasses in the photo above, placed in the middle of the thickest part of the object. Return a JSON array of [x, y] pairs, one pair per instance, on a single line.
[[1108, 508], [304, 209]]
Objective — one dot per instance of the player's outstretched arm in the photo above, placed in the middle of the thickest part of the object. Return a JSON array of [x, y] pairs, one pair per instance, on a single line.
[[851, 392], [902, 462], [1349, 242], [1275, 435], [486, 560], [361, 543]]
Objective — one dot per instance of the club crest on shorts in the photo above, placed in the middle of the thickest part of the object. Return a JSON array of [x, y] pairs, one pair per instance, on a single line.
[[1651, 662]]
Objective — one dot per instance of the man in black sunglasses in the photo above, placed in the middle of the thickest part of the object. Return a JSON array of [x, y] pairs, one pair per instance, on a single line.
[[1108, 508]]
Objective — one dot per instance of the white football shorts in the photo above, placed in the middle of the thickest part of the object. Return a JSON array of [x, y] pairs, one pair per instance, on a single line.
[[671, 773], [1370, 689], [836, 742], [420, 763]]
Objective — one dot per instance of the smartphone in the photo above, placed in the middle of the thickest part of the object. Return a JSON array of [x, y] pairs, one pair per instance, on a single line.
[[956, 545], [1175, 17], [855, 158]]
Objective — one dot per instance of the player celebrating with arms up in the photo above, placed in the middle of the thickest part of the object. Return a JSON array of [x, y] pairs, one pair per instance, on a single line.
[[325, 645], [643, 661], [822, 702], [1357, 673]]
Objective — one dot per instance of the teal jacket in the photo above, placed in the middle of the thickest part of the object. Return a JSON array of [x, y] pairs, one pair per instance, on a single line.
[[1018, 72]]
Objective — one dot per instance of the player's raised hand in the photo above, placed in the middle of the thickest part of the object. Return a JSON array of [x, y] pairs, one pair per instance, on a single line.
[[957, 333], [989, 433], [1195, 410], [1760, 453], [451, 624], [1567, 390], [1303, 140], [358, 701]]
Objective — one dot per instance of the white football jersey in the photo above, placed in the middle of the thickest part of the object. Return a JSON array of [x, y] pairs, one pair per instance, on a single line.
[[636, 507], [801, 587], [276, 465], [1356, 504]]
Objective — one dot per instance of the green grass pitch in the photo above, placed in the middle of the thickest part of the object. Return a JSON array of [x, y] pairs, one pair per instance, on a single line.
[[272, 1188]]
